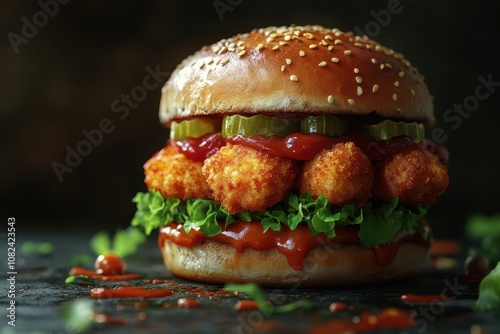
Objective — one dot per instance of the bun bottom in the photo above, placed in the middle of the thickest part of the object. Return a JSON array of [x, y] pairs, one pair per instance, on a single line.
[[331, 265]]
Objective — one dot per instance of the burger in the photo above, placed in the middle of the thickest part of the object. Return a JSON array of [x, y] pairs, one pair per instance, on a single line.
[[297, 156]]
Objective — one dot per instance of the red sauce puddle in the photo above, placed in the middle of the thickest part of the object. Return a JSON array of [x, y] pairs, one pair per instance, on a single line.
[[338, 307], [188, 303], [412, 298], [94, 275], [246, 304], [387, 318], [129, 292], [292, 244]]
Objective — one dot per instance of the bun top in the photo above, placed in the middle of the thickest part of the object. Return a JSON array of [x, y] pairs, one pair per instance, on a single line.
[[308, 70]]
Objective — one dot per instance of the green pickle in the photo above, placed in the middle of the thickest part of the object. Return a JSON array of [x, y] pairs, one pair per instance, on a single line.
[[329, 125], [194, 128], [258, 125], [388, 129]]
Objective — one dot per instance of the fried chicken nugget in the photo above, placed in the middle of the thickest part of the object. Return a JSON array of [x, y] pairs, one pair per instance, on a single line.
[[172, 174], [243, 178], [343, 174], [413, 174]]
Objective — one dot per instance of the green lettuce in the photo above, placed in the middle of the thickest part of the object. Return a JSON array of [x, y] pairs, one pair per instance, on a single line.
[[489, 292], [378, 224]]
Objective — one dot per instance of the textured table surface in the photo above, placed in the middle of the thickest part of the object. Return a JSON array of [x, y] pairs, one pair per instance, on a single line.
[[41, 293]]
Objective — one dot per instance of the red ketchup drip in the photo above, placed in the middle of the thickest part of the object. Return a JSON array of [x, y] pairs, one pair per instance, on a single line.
[[94, 274], [188, 303], [337, 307], [367, 321], [412, 298], [299, 146], [199, 149], [295, 244], [129, 292], [246, 304], [476, 268]]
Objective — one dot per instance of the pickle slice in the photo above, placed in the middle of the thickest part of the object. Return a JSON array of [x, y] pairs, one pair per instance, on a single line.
[[388, 129], [329, 125], [258, 125], [194, 128]]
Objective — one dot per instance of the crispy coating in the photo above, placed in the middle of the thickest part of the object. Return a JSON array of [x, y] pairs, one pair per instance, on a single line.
[[414, 175], [172, 174], [343, 174], [243, 178]]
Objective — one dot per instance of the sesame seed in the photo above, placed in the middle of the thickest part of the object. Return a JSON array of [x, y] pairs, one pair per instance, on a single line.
[[288, 61], [270, 39], [322, 64], [401, 74], [276, 47], [356, 70], [412, 91], [350, 101], [359, 91], [313, 46], [287, 37], [396, 83], [202, 65], [388, 65], [347, 52], [224, 61], [374, 61], [323, 42], [337, 41], [330, 47], [382, 66], [358, 44], [329, 37], [260, 46], [308, 35], [222, 50], [283, 43], [242, 53], [283, 68], [302, 53], [335, 60], [359, 79], [210, 60], [293, 77], [375, 88], [394, 97], [330, 99]]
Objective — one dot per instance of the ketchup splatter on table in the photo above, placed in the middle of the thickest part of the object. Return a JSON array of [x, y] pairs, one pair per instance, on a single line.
[[108, 267], [129, 292], [413, 298]]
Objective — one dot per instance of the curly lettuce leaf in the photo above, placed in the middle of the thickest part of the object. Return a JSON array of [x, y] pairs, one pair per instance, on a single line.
[[489, 292], [377, 224]]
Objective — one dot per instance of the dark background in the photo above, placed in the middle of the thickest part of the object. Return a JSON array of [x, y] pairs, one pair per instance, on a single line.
[[64, 79]]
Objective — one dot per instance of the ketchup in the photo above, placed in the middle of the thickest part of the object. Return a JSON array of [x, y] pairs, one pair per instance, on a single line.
[[199, 149], [299, 146], [246, 304], [129, 292], [412, 298], [387, 318], [94, 274], [188, 303], [295, 244]]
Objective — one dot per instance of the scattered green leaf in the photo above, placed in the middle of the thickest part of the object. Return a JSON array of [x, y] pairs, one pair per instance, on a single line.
[[77, 315], [80, 260], [255, 292], [78, 279], [125, 242], [489, 292], [37, 248], [485, 231]]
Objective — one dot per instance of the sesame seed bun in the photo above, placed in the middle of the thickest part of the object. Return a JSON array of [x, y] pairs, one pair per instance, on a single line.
[[331, 265], [309, 70]]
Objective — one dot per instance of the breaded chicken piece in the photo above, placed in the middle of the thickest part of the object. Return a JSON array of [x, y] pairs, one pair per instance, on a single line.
[[172, 174], [343, 174], [243, 178], [413, 174]]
